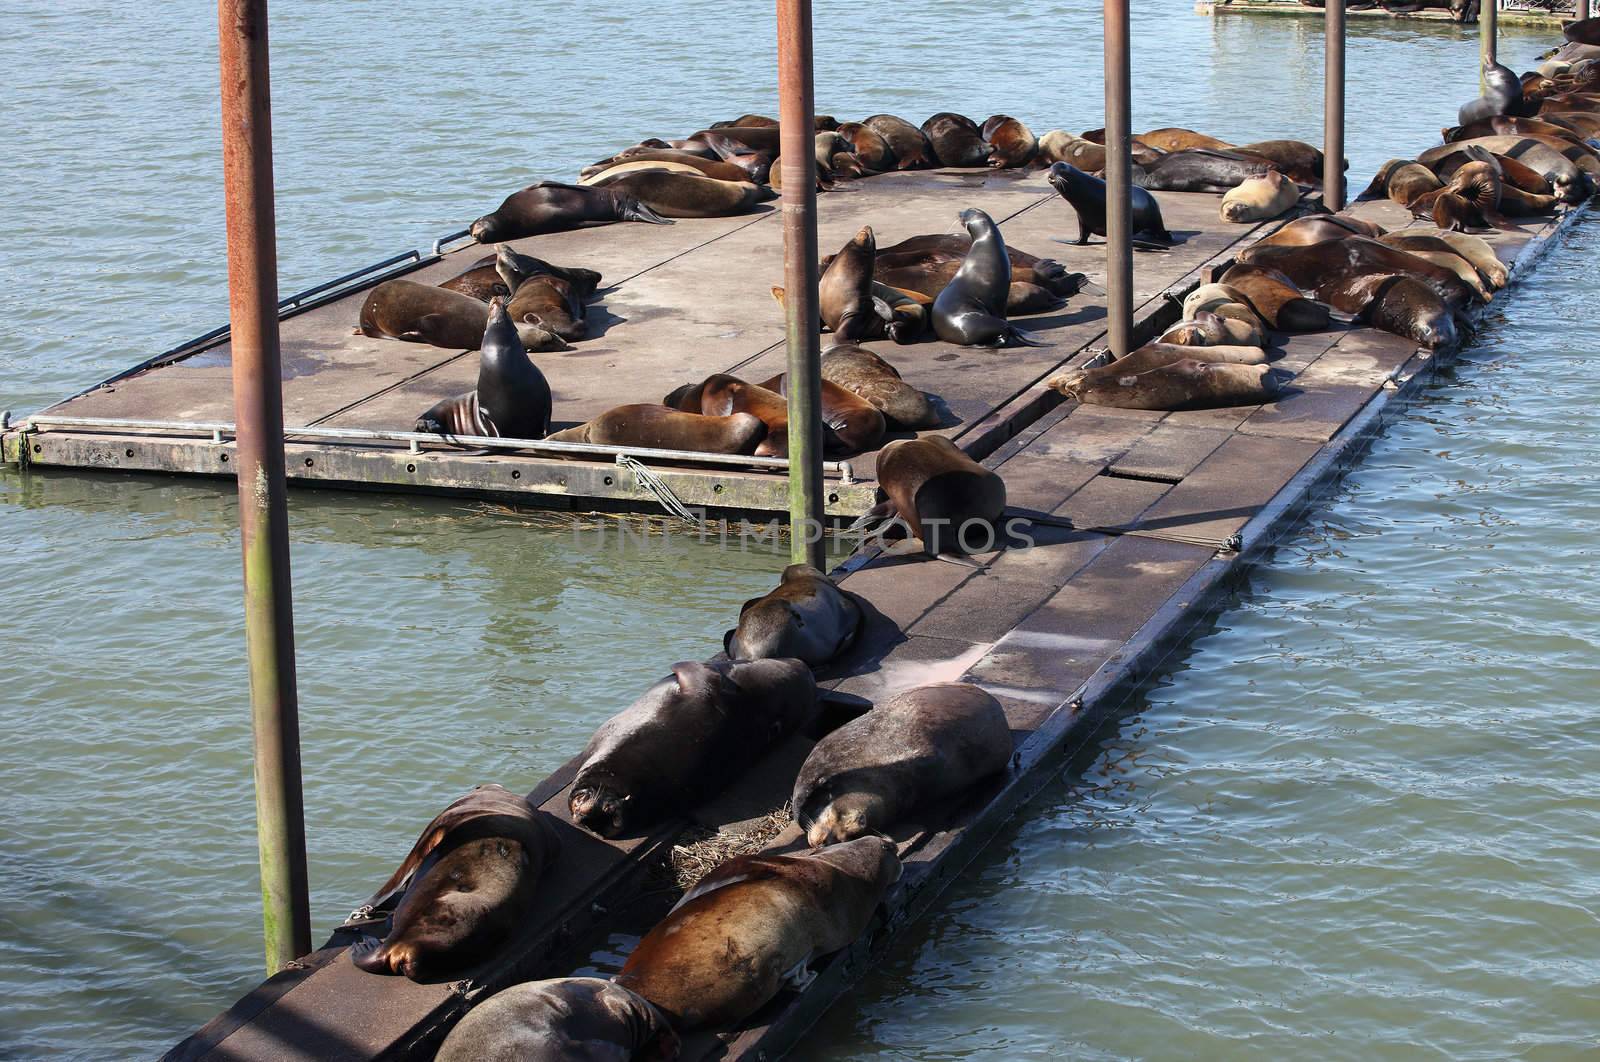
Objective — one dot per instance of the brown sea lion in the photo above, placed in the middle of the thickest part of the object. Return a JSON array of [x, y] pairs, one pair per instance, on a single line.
[[567, 1019], [512, 399], [715, 168], [1437, 251], [504, 271], [844, 293], [1175, 138], [860, 370], [1011, 144], [869, 146], [549, 302], [806, 617], [1151, 356], [1342, 273], [757, 921], [1448, 210], [911, 148], [956, 140], [850, 424], [1474, 249], [685, 195], [551, 206], [1478, 183], [424, 313], [897, 314], [1046, 272], [1224, 301], [900, 761], [1207, 329], [1567, 177], [1276, 299], [1295, 159], [685, 739], [930, 278], [467, 883], [722, 395], [1508, 125], [1185, 384], [1402, 181], [1319, 227], [945, 498], [748, 121], [1259, 198], [656, 427], [741, 139]]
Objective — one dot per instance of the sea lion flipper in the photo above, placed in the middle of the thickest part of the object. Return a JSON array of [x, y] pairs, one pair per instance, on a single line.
[[367, 954], [637, 211], [882, 308], [1018, 336]]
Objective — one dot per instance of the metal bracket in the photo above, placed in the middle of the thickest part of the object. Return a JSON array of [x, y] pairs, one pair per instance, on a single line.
[[438, 245], [5, 419], [847, 474]]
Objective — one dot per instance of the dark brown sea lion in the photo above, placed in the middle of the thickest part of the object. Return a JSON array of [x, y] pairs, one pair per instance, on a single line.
[[945, 498], [1308, 230], [897, 314], [424, 313], [1401, 180], [1505, 125], [1478, 183], [1185, 384], [549, 302], [722, 395], [1198, 170], [1502, 95], [756, 921], [1293, 158], [1026, 268], [900, 761], [504, 271], [741, 139], [685, 195], [685, 739], [567, 1019], [748, 121], [971, 310], [551, 206], [1447, 210], [869, 145], [911, 148], [850, 424], [1566, 177], [512, 399], [1087, 197], [844, 293], [1405, 306], [860, 370], [929, 278], [1275, 297], [956, 140], [1011, 144], [1344, 272], [468, 882], [659, 428], [806, 617]]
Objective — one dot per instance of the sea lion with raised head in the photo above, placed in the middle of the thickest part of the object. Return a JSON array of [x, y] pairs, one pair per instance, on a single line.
[[1502, 95], [565, 1019], [860, 370], [656, 427], [956, 140], [1259, 198], [1178, 385], [685, 739], [503, 272], [1087, 197], [850, 424], [900, 761], [844, 292], [912, 151], [1567, 178], [467, 883], [896, 314], [1025, 268], [806, 617], [551, 206], [512, 399], [424, 313], [971, 310], [945, 498], [752, 924]]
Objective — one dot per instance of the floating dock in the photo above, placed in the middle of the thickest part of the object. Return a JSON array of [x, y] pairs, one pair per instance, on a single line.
[[1515, 16], [677, 304], [1139, 522]]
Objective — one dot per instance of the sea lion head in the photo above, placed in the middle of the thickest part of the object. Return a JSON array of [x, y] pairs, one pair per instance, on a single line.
[[975, 221], [845, 818], [1066, 179], [487, 229], [601, 808]]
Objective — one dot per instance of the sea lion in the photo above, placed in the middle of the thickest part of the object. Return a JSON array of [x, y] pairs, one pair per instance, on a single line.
[[687, 195], [753, 923], [850, 424], [1502, 94], [1087, 197], [1026, 268], [900, 761], [424, 313], [1319, 227], [1149, 357], [1259, 198], [467, 883], [869, 146], [1186, 384], [1295, 159], [1505, 125], [1475, 249], [1566, 177], [566, 1019], [1435, 250], [741, 139], [1224, 301], [1402, 181], [685, 739], [610, 173], [1207, 329], [512, 399], [1276, 298], [652, 426], [929, 278], [971, 310], [504, 271], [551, 206], [549, 302], [945, 498], [1011, 144], [806, 617], [748, 120], [1447, 210], [722, 395], [716, 168], [956, 140], [1198, 170], [844, 293], [912, 151], [1478, 183], [1342, 273], [898, 315], [860, 370], [1407, 307], [1176, 138]]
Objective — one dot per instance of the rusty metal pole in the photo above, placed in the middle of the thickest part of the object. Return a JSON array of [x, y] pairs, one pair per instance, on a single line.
[[1333, 106], [1488, 40], [263, 512], [797, 156], [1119, 195]]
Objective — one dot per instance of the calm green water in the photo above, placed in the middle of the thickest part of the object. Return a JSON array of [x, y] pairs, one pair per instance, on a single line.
[[1356, 821]]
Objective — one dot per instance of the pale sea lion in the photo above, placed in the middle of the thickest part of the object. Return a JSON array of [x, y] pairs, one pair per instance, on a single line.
[[1087, 197], [566, 1019], [467, 883], [425, 313], [805, 617], [551, 206], [611, 173], [1437, 251], [1206, 329], [512, 399], [971, 310], [1259, 198], [874, 379], [1223, 301], [945, 498], [654, 426], [1153, 356], [756, 921], [899, 761], [685, 739], [1476, 250], [1186, 384], [722, 171]]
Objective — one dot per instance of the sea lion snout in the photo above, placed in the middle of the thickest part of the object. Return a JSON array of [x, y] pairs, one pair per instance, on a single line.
[[600, 810], [483, 230]]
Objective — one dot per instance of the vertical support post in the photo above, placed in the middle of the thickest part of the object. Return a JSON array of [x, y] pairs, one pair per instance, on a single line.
[[1333, 106], [1488, 40], [797, 157], [1119, 172], [1583, 10], [263, 510]]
